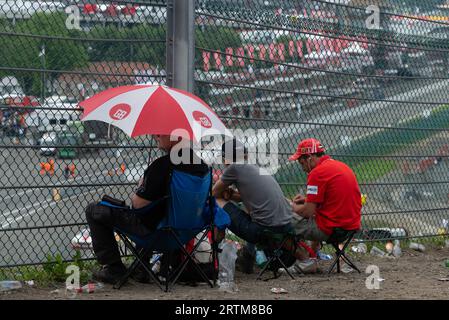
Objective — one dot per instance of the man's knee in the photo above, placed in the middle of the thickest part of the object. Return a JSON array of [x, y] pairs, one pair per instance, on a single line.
[[94, 212], [89, 211]]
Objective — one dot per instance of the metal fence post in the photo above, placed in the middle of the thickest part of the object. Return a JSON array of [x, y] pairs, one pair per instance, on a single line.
[[180, 44]]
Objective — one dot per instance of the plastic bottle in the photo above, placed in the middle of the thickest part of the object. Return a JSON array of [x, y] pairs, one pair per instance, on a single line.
[[417, 246], [323, 256], [155, 262], [397, 251], [9, 285], [261, 258], [91, 287], [360, 248], [88, 288], [226, 259], [375, 251]]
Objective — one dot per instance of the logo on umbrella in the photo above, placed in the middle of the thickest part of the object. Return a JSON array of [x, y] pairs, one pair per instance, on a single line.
[[202, 119], [120, 111]]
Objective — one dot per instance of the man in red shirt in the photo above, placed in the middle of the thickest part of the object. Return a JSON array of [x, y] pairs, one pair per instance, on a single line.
[[333, 198]]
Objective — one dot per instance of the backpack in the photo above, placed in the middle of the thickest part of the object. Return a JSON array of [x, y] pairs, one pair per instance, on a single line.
[[203, 257]]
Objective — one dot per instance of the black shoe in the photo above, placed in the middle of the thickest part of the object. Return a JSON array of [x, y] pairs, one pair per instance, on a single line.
[[141, 275], [110, 273]]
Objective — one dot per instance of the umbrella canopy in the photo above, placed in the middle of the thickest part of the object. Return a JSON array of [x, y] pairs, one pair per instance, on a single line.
[[154, 109]]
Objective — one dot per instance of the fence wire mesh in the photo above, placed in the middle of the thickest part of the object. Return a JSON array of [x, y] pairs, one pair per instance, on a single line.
[[367, 78]]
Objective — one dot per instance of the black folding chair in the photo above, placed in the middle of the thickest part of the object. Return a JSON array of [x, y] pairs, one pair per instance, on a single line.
[[280, 250], [341, 236]]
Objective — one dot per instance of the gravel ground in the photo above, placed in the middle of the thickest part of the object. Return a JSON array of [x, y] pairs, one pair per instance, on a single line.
[[415, 275]]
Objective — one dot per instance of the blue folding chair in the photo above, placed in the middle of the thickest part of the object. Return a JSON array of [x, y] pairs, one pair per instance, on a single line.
[[191, 209]]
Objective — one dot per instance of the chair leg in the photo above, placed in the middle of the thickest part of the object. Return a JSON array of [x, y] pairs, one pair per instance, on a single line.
[[189, 257], [276, 257], [285, 268], [126, 276], [338, 262], [138, 260], [267, 264], [350, 263], [340, 253]]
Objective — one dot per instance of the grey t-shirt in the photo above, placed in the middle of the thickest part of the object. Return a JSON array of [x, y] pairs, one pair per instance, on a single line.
[[261, 194]]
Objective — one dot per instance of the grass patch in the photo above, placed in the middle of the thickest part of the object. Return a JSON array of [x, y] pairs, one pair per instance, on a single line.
[[50, 272], [372, 170]]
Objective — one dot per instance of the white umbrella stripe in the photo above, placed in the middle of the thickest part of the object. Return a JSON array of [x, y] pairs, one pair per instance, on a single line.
[[136, 99], [199, 116]]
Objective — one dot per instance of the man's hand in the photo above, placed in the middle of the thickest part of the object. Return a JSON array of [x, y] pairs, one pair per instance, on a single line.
[[306, 210], [299, 199], [139, 202], [227, 194], [296, 207]]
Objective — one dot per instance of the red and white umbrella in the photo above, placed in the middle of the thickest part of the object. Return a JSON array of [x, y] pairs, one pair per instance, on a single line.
[[154, 109]]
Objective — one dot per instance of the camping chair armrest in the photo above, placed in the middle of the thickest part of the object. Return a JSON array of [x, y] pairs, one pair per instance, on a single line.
[[147, 209]]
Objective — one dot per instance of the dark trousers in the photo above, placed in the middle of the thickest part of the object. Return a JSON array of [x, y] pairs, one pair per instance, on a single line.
[[102, 221], [243, 227]]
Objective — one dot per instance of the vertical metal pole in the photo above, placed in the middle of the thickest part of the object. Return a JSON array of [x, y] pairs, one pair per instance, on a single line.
[[180, 44]]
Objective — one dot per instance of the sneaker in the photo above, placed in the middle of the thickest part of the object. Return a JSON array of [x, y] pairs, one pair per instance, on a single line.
[[291, 269], [346, 268], [110, 273], [306, 266], [141, 275]]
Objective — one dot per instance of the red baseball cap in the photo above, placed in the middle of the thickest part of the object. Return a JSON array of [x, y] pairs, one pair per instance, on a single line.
[[307, 146]]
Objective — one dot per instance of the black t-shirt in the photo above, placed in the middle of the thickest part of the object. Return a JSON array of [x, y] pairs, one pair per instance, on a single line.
[[156, 179]]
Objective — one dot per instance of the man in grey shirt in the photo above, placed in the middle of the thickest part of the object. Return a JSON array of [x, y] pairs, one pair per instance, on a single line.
[[266, 206], [260, 194]]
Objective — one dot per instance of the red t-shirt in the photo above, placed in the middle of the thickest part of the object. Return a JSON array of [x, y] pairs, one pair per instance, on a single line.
[[333, 187]]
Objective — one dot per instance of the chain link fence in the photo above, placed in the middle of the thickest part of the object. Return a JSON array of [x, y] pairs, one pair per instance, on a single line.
[[367, 78]]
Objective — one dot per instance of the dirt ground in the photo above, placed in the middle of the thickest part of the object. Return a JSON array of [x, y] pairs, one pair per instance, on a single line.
[[415, 275]]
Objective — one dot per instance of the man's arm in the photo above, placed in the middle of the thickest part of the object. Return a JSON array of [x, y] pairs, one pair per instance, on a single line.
[[139, 202], [136, 201], [306, 210], [218, 188]]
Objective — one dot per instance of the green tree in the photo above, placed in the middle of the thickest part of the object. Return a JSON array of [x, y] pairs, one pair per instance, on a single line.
[[25, 52], [100, 50], [153, 53], [5, 25], [124, 50], [217, 38]]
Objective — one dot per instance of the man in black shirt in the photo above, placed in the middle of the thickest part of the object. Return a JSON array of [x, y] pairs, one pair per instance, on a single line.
[[152, 187]]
